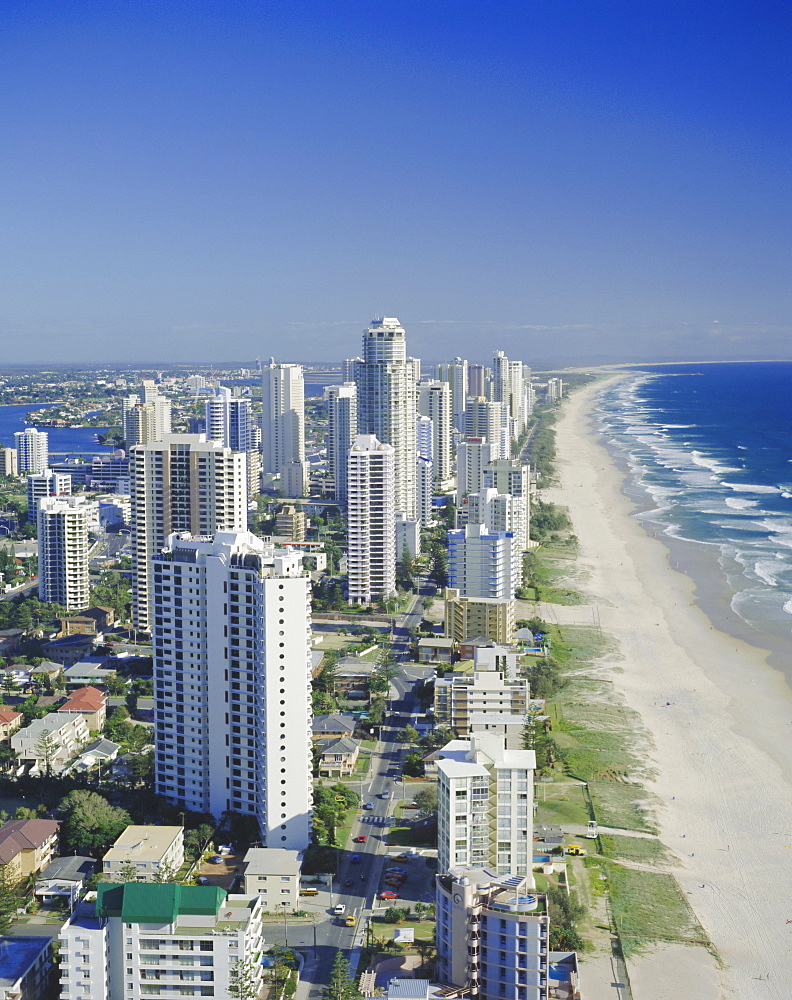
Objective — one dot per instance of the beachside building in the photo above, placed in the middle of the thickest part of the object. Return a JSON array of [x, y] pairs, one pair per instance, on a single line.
[[26, 968], [152, 850], [466, 617], [459, 696], [483, 563], [140, 940], [32, 448], [492, 934]]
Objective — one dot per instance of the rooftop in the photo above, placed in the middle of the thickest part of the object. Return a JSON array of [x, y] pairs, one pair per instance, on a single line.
[[24, 835], [17, 954], [157, 902], [272, 861], [72, 868], [149, 842]]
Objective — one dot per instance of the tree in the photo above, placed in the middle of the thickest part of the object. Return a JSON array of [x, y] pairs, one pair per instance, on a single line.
[[408, 735], [341, 985], [9, 897], [90, 824], [126, 873], [242, 984], [426, 800], [165, 873], [395, 914], [115, 685], [46, 750]]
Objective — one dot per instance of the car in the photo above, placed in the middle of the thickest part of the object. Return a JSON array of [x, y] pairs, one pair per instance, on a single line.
[[349, 882], [216, 860], [368, 805], [384, 795], [355, 859], [412, 805], [403, 857], [361, 839], [389, 894], [339, 909], [350, 921], [202, 880], [395, 871], [394, 883]]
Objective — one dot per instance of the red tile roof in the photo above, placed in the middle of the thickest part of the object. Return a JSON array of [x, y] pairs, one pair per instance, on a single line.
[[84, 699], [24, 835], [8, 715]]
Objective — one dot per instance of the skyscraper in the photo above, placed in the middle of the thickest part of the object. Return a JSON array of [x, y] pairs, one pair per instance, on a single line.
[[182, 483], [473, 455], [371, 520], [434, 401], [483, 563], [45, 484], [229, 422], [341, 433], [484, 419], [510, 476], [456, 374], [387, 385], [145, 417], [282, 417], [232, 675], [499, 512], [32, 448], [63, 551]]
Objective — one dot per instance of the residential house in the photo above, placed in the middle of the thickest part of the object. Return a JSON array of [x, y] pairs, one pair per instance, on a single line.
[[11, 641], [87, 672], [435, 649], [151, 849], [91, 703], [99, 752], [26, 968], [28, 845], [327, 726], [64, 732], [273, 874], [70, 649], [10, 721], [64, 878], [338, 757]]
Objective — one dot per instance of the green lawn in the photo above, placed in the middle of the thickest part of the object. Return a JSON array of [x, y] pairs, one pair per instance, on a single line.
[[400, 836], [621, 805], [561, 804], [639, 849]]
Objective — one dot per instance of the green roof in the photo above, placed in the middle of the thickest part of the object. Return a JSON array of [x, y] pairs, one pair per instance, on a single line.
[[156, 902]]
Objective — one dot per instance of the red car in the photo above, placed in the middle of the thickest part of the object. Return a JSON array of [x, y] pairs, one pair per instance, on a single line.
[[389, 895], [361, 839]]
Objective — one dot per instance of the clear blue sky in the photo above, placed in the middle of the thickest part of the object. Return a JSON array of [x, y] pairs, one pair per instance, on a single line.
[[563, 179]]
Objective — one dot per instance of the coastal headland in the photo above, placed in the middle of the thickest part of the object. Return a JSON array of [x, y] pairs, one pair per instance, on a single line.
[[719, 717]]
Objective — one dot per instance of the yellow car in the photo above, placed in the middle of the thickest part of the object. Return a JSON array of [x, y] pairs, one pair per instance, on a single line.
[[350, 921]]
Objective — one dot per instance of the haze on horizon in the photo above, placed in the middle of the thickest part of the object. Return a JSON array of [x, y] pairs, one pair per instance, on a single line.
[[589, 182]]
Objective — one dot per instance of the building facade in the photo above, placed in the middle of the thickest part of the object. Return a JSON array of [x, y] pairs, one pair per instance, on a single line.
[[232, 682], [371, 520], [32, 448], [341, 432], [282, 417], [434, 402], [468, 617], [63, 551], [182, 483], [483, 563], [45, 484], [145, 417]]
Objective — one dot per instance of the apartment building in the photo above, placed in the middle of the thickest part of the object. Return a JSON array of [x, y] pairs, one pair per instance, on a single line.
[[485, 805], [63, 551], [32, 449], [492, 934], [231, 641], [483, 563], [48, 744], [153, 850], [45, 484], [371, 520], [468, 617], [460, 696], [341, 433], [154, 941]]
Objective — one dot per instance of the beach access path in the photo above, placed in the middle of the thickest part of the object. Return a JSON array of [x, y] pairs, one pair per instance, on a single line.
[[720, 719]]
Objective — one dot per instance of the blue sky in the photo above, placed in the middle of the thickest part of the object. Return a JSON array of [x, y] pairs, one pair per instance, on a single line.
[[569, 181]]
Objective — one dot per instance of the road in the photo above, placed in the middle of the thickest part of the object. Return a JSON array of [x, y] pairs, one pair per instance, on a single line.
[[383, 788]]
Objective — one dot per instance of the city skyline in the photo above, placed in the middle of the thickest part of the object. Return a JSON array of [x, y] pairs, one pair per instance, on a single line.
[[584, 185]]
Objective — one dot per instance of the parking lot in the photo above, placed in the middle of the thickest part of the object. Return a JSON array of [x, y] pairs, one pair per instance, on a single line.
[[223, 873]]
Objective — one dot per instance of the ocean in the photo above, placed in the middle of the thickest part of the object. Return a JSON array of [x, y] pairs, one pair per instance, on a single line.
[[63, 441], [708, 451]]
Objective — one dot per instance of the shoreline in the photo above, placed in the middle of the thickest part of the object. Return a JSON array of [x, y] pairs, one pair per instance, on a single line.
[[718, 714]]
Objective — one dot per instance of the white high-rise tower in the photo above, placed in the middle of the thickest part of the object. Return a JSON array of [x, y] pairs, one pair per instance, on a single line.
[[145, 417], [371, 520], [182, 483], [434, 401], [341, 433], [32, 448], [282, 417], [387, 390], [232, 682], [63, 551]]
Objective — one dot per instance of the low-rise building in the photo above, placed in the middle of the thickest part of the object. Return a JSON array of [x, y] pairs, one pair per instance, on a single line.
[[151, 849], [273, 874], [99, 752], [91, 703], [492, 934], [332, 726], [70, 649], [459, 696], [85, 673], [64, 878], [435, 649], [26, 968], [48, 744], [28, 845], [140, 940], [337, 757], [290, 524], [10, 721]]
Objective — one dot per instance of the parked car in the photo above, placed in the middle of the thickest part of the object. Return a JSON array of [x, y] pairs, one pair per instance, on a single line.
[[361, 839], [389, 894], [355, 859], [368, 805], [202, 880], [216, 860], [349, 882], [411, 805]]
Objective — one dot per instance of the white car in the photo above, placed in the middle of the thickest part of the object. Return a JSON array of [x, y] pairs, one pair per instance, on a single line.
[[339, 909]]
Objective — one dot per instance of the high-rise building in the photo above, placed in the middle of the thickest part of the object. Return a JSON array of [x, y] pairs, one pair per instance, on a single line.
[[499, 512], [371, 520], [555, 389], [229, 422], [425, 482], [182, 483], [282, 417], [138, 940], [483, 563], [231, 639], [9, 462], [32, 448], [478, 778], [476, 383], [509, 475], [492, 935], [341, 433], [145, 417], [473, 455], [484, 419], [45, 484], [434, 402], [507, 387], [63, 551], [455, 373], [387, 389]]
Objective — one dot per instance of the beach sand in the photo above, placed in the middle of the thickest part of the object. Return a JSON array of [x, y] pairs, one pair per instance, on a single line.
[[722, 747]]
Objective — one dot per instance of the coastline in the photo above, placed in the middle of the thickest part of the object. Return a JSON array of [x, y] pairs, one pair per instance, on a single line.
[[719, 716]]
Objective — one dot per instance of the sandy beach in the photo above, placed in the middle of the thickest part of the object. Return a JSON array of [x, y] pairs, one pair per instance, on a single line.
[[720, 719]]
